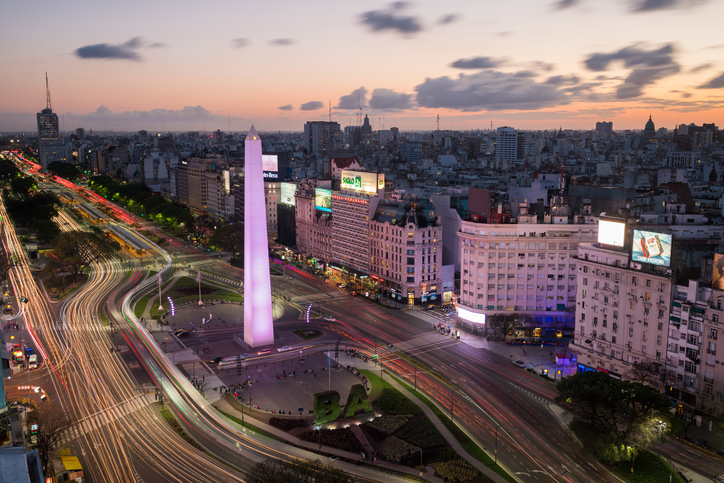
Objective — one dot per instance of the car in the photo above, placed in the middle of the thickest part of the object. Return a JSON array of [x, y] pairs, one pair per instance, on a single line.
[[263, 351], [430, 307], [520, 364], [182, 334], [329, 318], [284, 348]]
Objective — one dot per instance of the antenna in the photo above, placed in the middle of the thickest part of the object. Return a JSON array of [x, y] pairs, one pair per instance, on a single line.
[[330, 110], [47, 93], [491, 125], [438, 123]]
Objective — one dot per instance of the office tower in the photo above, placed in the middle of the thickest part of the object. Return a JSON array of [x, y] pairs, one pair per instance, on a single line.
[[258, 321], [506, 144], [50, 146], [604, 127], [321, 137]]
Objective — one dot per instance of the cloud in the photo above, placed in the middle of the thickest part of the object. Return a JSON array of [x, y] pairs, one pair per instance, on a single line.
[[686, 95], [446, 19], [389, 99], [288, 107], [563, 4], [640, 6], [715, 83], [504, 33], [240, 43], [157, 45], [476, 63], [647, 67], [391, 19], [699, 68], [358, 98], [488, 90], [560, 80], [125, 51], [281, 42], [311, 106]]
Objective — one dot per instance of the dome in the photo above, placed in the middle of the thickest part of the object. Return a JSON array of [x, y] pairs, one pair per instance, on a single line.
[[650, 126]]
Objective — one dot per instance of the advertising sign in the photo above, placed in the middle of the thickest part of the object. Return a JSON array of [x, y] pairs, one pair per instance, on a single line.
[[362, 181], [651, 247], [471, 316], [323, 199], [287, 197], [270, 166], [718, 275], [611, 232]]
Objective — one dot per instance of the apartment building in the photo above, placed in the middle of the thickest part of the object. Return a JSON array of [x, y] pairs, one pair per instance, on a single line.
[[406, 250], [622, 312]]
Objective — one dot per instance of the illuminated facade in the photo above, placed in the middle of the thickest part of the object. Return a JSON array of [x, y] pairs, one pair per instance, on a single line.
[[258, 321]]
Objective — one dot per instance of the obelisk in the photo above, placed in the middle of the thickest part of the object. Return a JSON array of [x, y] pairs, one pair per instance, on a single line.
[[258, 320]]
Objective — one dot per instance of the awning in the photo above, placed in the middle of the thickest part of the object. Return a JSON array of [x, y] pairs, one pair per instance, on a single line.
[[675, 319], [71, 463]]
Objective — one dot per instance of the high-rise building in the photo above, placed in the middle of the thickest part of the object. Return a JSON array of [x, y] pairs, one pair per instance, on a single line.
[[50, 146], [604, 127], [321, 137], [258, 321], [508, 144]]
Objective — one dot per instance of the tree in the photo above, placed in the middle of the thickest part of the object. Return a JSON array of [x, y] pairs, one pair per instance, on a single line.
[[45, 230], [509, 323], [307, 471], [229, 238], [76, 248], [612, 415], [53, 422], [64, 170], [646, 371]]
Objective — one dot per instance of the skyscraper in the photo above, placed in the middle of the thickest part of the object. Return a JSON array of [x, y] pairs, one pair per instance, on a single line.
[[258, 320], [50, 146], [321, 137], [506, 144]]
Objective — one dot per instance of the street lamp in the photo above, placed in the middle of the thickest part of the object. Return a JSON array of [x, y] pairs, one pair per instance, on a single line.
[[496, 442]]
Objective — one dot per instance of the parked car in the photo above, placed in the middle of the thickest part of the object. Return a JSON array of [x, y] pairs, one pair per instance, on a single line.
[[520, 364], [182, 334], [430, 307], [284, 348]]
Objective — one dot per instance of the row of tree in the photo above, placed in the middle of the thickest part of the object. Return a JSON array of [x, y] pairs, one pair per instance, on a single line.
[[141, 201]]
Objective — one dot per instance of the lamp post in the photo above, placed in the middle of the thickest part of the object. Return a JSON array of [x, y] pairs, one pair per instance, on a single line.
[[496, 442]]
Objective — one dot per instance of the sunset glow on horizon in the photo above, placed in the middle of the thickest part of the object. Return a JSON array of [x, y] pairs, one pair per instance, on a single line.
[[530, 64]]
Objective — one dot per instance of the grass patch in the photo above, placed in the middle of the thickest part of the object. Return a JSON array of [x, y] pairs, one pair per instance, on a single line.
[[645, 464], [377, 385], [309, 334], [171, 420], [249, 426], [393, 401]]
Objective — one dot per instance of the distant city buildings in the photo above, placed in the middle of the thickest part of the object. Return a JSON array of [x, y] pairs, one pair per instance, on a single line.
[[51, 147]]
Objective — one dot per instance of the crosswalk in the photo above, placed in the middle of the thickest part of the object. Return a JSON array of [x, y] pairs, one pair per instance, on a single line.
[[97, 421]]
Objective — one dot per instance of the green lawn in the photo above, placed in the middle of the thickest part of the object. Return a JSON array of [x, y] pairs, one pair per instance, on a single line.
[[377, 385], [646, 468]]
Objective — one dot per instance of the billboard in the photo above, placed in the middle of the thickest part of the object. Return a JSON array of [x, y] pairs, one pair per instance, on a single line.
[[471, 316], [287, 197], [611, 232], [651, 247], [270, 166], [717, 280], [323, 199], [362, 181]]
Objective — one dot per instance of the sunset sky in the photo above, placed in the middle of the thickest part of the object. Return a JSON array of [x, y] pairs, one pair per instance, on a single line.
[[531, 64]]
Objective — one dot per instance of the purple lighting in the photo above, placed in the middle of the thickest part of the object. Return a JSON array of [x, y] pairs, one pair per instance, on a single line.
[[258, 321]]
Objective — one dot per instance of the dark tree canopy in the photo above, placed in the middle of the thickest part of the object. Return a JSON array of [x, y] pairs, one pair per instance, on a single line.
[[46, 230], [38, 206], [271, 471], [229, 238], [613, 413], [64, 170], [53, 422]]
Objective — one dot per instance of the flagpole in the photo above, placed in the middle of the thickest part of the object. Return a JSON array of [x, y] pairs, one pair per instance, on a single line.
[[198, 279]]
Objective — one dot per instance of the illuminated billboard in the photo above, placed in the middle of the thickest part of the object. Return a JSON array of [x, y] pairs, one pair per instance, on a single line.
[[611, 232], [323, 199], [270, 166], [471, 316], [651, 247], [287, 197], [717, 280], [362, 181]]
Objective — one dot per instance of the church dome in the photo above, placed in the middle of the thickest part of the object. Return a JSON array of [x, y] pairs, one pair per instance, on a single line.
[[650, 126]]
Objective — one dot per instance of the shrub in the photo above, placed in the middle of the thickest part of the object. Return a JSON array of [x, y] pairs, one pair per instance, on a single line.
[[388, 424], [393, 402], [342, 439], [287, 424], [394, 449], [455, 470], [421, 432]]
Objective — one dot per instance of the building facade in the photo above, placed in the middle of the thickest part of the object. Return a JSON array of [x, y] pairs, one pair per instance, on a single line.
[[322, 137]]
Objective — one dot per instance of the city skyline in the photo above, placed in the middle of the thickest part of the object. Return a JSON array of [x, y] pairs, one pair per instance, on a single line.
[[527, 64]]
